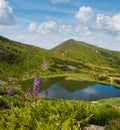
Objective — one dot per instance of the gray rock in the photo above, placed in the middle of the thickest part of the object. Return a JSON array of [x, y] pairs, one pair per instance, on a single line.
[[94, 127]]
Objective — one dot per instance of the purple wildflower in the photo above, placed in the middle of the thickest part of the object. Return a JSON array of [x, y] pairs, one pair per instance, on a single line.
[[46, 93], [36, 84], [8, 90]]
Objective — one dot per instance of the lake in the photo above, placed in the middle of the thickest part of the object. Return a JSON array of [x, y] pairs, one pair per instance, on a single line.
[[60, 88]]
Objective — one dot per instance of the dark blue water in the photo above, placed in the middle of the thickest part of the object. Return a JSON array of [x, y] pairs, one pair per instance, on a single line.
[[90, 92], [68, 89]]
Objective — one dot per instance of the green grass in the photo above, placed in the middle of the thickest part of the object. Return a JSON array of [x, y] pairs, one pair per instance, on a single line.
[[112, 101], [58, 115]]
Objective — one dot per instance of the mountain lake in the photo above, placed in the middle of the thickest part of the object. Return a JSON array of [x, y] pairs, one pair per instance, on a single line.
[[59, 88]]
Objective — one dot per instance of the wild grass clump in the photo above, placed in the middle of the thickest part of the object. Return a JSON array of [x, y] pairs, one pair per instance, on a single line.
[[114, 125], [104, 113]]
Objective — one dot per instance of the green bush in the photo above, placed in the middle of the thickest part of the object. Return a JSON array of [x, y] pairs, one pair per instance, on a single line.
[[3, 102], [103, 114], [102, 77], [114, 125]]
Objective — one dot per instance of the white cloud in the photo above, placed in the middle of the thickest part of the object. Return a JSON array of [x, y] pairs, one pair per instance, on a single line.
[[59, 1], [103, 22], [65, 29], [32, 26], [108, 23], [82, 30], [42, 28], [6, 14], [85, 14], [98, 22], [49, 27], [46, 27], [116, 21]]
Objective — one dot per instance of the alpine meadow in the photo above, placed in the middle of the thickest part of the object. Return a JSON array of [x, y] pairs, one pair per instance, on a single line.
[[59, 65]]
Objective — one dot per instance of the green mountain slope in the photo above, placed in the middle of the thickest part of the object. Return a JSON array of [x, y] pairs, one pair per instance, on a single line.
[[88, 54], [17, 58]]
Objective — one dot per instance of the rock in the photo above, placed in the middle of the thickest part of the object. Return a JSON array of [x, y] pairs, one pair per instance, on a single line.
[[94, 127]]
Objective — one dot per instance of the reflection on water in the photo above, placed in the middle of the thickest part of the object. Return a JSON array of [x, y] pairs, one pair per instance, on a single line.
[[68, 89]]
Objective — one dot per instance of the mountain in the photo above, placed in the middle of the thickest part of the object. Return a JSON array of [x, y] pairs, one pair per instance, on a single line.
[[88, 54], [70, 57]]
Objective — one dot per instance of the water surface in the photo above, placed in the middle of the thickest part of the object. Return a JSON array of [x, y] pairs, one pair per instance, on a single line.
[[67, 89]]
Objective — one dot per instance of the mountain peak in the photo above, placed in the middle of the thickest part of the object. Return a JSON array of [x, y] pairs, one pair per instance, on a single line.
[[70, 40]]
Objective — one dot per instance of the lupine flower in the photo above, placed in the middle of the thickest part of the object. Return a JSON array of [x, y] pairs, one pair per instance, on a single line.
[[46, 93], [8, 90], [36, 84]]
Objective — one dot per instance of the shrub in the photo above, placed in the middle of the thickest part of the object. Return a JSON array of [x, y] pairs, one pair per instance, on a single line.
[[103, 114], [102, 77], [114, 125], [3, 102]]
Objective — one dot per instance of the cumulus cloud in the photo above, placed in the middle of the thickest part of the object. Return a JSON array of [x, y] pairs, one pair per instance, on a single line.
[[98, 22], [32, 26], [42, 28], [49, 27], [108, 23], [46, 27], [116, 21], [82, 30], [85, 14], [103, 22], [6, 14], [59, 1], [65, 29]]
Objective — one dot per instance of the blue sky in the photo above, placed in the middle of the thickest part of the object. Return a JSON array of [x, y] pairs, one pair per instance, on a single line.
[[47, 23]]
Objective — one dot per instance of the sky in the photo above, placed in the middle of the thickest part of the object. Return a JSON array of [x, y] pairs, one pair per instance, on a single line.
[[47, 23]]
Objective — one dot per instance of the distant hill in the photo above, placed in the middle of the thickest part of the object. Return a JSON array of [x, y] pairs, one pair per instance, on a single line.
[[70, 57], [87, 53]]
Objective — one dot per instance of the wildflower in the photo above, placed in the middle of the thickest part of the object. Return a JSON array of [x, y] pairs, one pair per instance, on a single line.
[[36, 84], [28, 93], [8, 90], [46, 93]]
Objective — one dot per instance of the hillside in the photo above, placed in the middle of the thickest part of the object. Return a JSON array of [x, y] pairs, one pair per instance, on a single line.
[[89, 54], [71, 58], [17, 58]]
